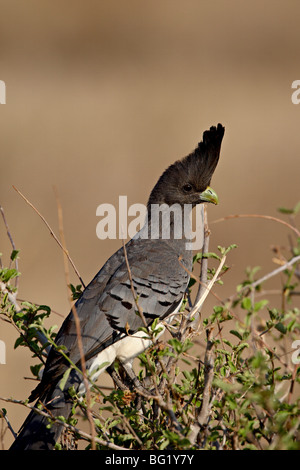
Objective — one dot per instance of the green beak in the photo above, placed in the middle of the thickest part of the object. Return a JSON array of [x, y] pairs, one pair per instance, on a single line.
[[209, 195]]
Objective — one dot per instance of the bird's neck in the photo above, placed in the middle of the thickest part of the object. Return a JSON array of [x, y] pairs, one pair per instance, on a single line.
[[167, 222]]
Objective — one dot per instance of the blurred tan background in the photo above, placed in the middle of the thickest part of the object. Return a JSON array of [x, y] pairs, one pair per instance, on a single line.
[[103, 95]]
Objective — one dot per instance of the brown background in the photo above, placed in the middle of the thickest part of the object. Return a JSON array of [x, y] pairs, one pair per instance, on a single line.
[[102, 95]]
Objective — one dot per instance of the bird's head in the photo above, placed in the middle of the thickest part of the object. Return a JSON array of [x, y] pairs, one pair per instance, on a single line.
[[187, 181]]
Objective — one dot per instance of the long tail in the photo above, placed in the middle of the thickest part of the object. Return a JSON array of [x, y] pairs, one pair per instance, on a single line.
[[35, 433]]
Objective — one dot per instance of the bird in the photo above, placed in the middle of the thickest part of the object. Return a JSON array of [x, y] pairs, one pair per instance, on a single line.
[[154, 267]]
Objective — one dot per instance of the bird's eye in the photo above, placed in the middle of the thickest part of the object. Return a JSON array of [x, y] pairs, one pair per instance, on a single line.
[[187, 188]]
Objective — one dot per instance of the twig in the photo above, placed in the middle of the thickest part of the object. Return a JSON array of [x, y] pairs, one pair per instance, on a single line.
[[163, 405], [41, 337], [12, 243], [261, 216], [83, 434], [77, 323], [11, 297], [197, 306], [203, 274], [132, 286], [141, 314], [276, 271], [3, 415], [39, 305], [208, 378], [206, 397], [51, 232]]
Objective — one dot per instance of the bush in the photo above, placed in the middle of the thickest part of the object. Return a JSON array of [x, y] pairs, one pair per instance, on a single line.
[[238, 391]]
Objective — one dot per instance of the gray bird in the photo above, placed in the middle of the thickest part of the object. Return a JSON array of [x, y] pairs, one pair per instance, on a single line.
[[109, 322]]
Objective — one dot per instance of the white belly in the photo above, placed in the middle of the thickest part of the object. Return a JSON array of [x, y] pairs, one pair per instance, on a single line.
[[126, 349]]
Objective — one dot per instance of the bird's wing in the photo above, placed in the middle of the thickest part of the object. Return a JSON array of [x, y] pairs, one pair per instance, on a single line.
[[107, 309]]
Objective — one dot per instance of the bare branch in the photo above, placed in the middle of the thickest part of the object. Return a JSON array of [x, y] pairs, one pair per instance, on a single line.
[[83, 434], [208, 378], [271, 274], [52, 233], [132, 286], [12, 243], [77, 323], [197, 306], [206, 396], [41, 337], [260, 216]]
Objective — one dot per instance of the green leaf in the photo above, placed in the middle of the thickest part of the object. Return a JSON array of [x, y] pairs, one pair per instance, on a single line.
[[247, 304], [297, 208], [176, 344], [241, 347], [284, 210], [294, 211], [14, 254], [281, 327], [224, 251], [236, 333], [197, 256], [211, 255], [8, 274], [154, 324], [19, 341], [218, 309], [260, 305], [64, 379], [164, 444], [36, 369]]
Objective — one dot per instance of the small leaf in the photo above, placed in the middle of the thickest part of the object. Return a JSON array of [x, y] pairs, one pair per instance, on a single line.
[[224, 251], [211, 255], [260, 305], [281, 327], [64, 379], [197, 256], [14, 254], [19, 341], [284, 210], [236, 333], [246, 303]]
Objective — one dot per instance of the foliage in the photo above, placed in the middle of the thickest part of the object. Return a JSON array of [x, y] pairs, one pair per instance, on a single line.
[[230, 383]]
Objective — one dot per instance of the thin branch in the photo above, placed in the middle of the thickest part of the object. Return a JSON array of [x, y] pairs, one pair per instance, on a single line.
[[206, 396], [164, 406], [271, 274], [83, 434], [132, 286], [261, 216], [208, 378], [4, 416], [203, 274], [204, 260], [52, 233], [197, 306], [77, 322], [41, 337], [11, 297], [12, 243], [39, 305]]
